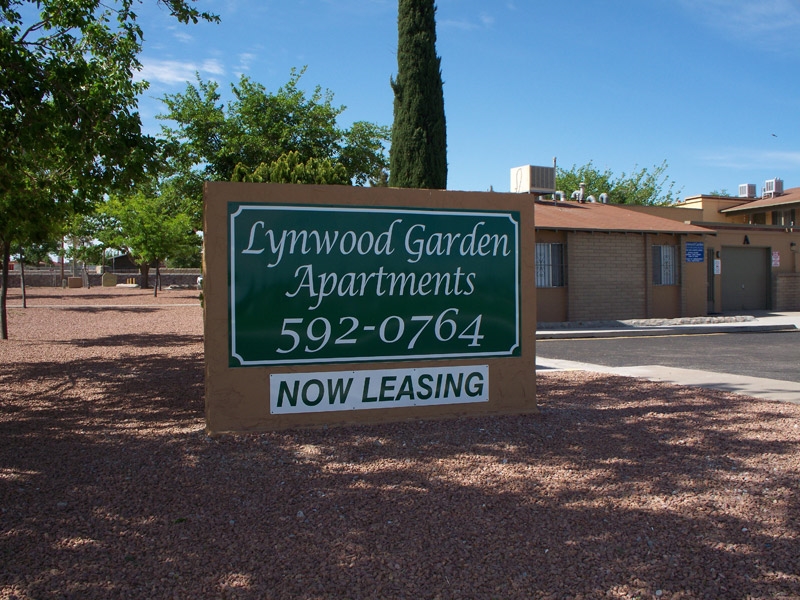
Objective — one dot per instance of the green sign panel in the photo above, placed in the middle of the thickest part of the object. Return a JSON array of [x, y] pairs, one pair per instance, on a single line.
[[325, 284]]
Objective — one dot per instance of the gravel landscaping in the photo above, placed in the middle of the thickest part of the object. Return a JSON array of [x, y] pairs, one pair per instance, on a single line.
[[109, 487]]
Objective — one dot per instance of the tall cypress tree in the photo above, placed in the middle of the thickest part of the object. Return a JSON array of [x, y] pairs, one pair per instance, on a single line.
[[418, 154]]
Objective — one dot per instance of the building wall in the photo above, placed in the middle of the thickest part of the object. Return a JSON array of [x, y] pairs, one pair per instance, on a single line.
[[785, 261], [710, 207], [787, 292], [606, 276], [610, 277], [662, 301], [551, 303], [694, 280], [731, 232]]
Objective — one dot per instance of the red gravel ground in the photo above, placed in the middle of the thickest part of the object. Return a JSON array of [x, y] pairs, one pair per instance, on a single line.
[[109, 487]]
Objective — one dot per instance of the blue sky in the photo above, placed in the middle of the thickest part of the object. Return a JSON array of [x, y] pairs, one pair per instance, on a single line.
[[707, 85]]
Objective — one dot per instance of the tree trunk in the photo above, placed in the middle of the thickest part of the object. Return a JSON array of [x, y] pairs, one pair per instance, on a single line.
[[61, 262], [144, 269], [157, 283], [6, 249], [22, 279]]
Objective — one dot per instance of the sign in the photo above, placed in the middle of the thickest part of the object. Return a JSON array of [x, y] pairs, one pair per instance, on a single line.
[[332, 304], [776, 258], [325, 284], [694, 252], [388, 388], [717, 266]]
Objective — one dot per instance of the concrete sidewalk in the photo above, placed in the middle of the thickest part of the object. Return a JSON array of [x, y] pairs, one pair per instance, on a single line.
[[756, 322], [769, 389]]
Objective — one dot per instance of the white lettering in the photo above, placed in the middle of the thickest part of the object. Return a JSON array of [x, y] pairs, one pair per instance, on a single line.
[[250, 249]]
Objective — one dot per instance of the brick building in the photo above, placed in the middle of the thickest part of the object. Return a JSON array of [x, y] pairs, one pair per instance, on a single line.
[[598, 261], [753, 261]]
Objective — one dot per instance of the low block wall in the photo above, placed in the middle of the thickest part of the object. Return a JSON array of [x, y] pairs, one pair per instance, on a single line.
[[53, 278]]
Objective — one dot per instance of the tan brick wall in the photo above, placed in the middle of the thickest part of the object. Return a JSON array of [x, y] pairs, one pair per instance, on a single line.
[[606, 276], [787, 294]]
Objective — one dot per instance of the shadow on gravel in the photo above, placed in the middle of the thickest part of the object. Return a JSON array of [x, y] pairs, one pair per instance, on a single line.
[[75, 397], [110, 309], [144, 340], [110, 489]]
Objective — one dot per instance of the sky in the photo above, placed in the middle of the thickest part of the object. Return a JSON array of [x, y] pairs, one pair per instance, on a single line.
[[708, 86]]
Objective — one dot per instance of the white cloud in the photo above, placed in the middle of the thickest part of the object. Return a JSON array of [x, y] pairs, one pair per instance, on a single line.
[[212, 66], [466, 24], [245, 61], [182, 36], [462, 24], [173, 71], [744, 159], [768, 23]]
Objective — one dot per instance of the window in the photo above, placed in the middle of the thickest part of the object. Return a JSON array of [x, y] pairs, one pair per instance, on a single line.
[[550, 270], [665, 265], [787, 218]]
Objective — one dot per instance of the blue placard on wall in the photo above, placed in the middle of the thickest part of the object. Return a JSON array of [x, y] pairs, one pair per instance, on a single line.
[[694, 252]]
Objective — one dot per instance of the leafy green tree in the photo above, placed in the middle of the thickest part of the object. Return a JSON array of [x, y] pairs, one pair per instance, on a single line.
[[38, 253], [82, 231], [146, 225], [642, 186], [418, 155], [33, 253], [69, 129], [289, 169], [212, 140], [597, 182]]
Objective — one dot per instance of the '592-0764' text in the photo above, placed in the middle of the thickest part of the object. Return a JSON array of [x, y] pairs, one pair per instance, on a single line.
[[319, 332]]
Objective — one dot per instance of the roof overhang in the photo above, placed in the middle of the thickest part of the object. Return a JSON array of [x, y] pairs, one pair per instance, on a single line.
[[791, 197]]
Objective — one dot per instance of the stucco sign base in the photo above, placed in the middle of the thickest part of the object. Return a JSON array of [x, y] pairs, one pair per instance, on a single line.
[[333, 305]]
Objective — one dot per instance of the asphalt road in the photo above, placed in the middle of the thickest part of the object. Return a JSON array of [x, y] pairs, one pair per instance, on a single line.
[[766, 355]]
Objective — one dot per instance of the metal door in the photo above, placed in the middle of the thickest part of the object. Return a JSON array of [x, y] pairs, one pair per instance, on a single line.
[[745, 278]]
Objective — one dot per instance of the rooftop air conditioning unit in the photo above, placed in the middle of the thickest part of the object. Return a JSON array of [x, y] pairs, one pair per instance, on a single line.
[[772, 188], [747, 190], [533, 180]]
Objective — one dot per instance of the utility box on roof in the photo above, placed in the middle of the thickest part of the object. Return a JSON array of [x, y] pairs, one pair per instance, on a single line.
[[533, 180]]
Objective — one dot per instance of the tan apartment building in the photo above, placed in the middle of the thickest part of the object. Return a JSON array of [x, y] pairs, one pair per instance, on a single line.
[[753, 261], [599, 261]]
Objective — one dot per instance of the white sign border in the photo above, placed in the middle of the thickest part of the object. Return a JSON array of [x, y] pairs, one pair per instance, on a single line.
[[382, 358]]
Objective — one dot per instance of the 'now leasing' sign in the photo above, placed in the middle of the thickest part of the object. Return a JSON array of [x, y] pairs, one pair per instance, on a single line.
[[320, 284], [358, 390]]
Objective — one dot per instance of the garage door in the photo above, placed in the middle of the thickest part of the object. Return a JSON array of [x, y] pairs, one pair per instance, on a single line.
[[745, 278]]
